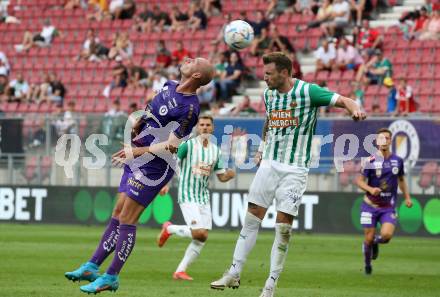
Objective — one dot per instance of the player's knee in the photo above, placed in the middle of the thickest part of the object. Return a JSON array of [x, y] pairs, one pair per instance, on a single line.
[[386, 237], [200, 235]]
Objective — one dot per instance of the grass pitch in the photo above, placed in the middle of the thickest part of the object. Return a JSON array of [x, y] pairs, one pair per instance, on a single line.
[[35, 257]]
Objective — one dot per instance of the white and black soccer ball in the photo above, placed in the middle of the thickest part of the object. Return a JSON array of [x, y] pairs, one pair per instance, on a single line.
[[238, 34]]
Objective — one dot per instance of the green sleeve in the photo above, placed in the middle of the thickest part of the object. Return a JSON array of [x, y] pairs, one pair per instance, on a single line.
[[321, 97], [182, 151], [219, 167]]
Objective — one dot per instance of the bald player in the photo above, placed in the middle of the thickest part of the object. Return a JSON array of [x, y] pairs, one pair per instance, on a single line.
[[148, 167]]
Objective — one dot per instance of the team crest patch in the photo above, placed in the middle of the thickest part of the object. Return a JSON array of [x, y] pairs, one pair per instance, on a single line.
[[163, 110], [193, 222], [293, 104], [395, 170]]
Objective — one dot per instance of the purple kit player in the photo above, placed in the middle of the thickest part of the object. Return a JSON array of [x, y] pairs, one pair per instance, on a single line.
[[170, 118], [380, 178]]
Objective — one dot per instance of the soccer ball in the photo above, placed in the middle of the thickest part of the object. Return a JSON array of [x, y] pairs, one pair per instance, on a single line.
[[238, 34]]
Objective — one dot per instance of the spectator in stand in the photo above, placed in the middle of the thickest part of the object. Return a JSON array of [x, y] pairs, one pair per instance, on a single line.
[[419, 24], [279, 43], [340, 18], [158, 81], [220, 35], [179, 19], [125, 11], [197, 17], [144, 21], [92, 49], [325, 56], [347, 56], [361, 9], [4, 64], [261, 44], [137, 76], [174, 69], [405, 99], [3, 68], [66, 123], [43, 39], [212, 7], [120, 77], [180, 53], [244, 107], [122, 47], [163, 55], [58, 89], [375, 70], [19, 88], [4, 88], [375, 110], [278, 7], [100, 12], [323, 15], [161, 19], [115, 110], [431, 30], [367, 38], [230, 79], [260, 23], [74, 4], [40, 92], [391, 97], [296, 66]]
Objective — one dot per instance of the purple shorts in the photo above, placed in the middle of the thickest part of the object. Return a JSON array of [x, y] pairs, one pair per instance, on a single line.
[[142, 193], [371, 215]]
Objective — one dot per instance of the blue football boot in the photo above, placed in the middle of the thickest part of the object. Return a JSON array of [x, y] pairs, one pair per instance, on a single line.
[[105, 282], [87, 271]]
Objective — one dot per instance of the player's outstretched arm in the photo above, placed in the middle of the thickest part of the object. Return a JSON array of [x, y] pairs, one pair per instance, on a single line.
[[404, 188], [226, 176], [362, 184], [353, 109]]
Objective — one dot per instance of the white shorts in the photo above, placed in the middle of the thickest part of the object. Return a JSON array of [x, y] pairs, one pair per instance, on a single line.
[[284, 183], [197, 216]]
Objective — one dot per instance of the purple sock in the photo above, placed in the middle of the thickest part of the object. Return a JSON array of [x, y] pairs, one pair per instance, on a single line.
[[108, 242], [366, 249], [379, 239], [126, 241]]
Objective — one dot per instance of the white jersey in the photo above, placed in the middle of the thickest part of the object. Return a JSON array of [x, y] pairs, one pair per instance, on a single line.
[[292, 121], [197, 163]]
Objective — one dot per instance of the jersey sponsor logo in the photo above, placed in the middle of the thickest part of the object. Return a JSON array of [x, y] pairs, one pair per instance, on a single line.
[[366, 218], [202, 169], [405, 142], [282, 119], [395, 170], [163, 110], [134, 183]]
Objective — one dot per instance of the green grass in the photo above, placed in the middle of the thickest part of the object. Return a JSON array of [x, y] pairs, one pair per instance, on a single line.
[[35, 257]]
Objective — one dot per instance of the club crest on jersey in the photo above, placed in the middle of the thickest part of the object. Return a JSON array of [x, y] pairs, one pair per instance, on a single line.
[[293, 104], [395, 170], [163, 110]]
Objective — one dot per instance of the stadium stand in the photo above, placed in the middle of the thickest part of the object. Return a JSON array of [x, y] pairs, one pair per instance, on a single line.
[[85, 81]]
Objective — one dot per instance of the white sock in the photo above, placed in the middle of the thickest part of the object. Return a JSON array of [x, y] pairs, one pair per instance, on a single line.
[[180, 230], [245, 242], [192, 252], [279, 252]]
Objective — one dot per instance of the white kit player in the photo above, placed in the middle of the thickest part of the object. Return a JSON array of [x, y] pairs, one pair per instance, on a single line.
[[199, 158], [292, 106]]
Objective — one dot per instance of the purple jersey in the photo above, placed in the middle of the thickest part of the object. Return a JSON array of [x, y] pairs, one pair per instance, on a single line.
[[384, 175], [169, 112], [166, 107]]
